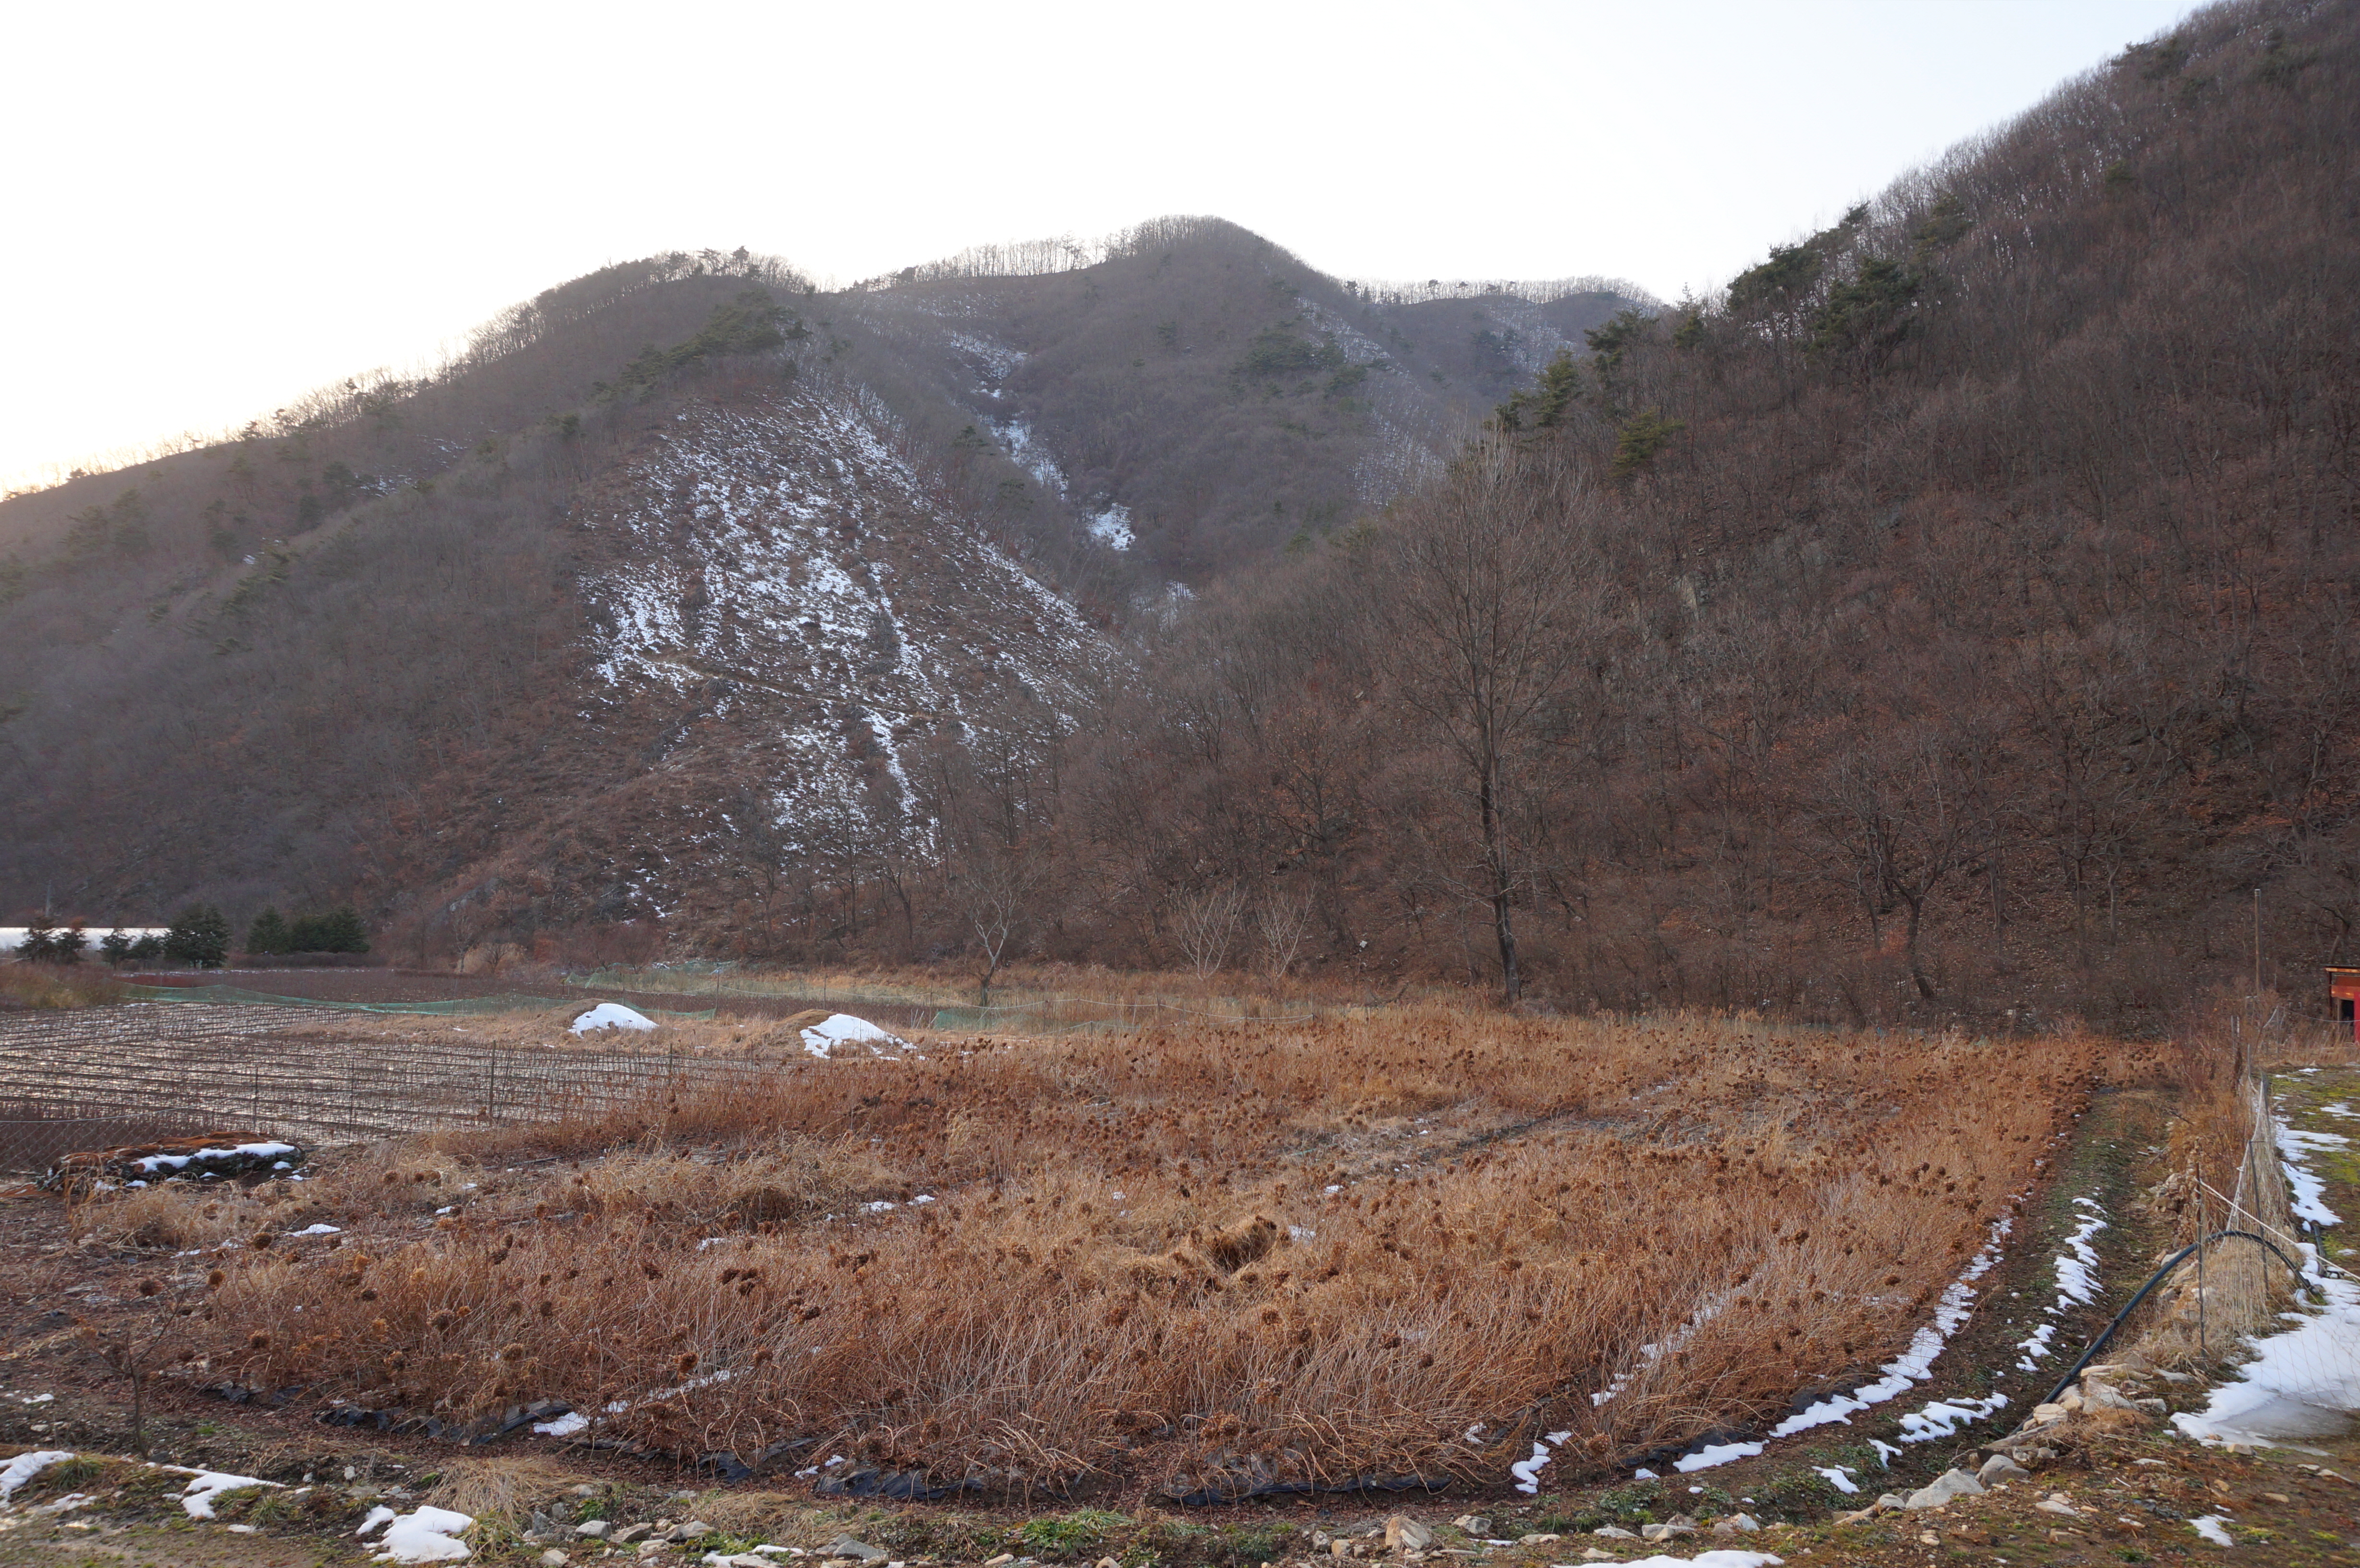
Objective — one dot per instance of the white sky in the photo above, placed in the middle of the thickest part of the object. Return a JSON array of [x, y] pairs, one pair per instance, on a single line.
[[214, 207]]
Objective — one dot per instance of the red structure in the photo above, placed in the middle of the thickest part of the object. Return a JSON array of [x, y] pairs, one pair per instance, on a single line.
[[2343, 985]]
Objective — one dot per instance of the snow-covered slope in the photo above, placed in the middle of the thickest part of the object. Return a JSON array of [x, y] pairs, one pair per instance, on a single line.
[[783, 615]]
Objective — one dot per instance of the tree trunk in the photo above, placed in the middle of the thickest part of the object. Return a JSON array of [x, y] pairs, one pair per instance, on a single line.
[[1916, 970], [1496, 860]]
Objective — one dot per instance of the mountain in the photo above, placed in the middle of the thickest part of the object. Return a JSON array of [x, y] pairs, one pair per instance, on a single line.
[[1955, 622], [681, 577]]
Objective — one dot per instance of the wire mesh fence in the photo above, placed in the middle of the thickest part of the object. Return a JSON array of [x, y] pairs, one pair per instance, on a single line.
[[83, 1078]]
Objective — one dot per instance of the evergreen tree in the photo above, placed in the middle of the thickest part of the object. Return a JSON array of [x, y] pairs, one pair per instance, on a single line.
[[343, 932], [268, 934], [66, 947], [115, 947], [334, 931], [200, 935], [39, 945], [148, 948]]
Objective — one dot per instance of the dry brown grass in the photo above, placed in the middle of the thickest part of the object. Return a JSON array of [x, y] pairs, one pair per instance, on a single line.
[[501, 1491], [57, 986], [2221, 1179], [1314, 1250]]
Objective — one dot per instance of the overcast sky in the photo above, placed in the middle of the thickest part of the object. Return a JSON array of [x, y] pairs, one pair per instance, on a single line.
[[215, 206]]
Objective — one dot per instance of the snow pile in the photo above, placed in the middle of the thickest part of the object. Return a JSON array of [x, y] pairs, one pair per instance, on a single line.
[[2209, 1526], [2304, 1381], [1710, 1560], [566, 1425], [428, 1535], [824, 1038], [204, 1486], [612, 1015], [24, 1467]]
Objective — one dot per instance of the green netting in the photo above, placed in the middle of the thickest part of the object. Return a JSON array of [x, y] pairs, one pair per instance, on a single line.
[[461, 1006]]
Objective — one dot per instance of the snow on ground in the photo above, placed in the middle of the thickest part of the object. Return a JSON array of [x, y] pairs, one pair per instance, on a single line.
[[1914, 1366], [612, 1015], [789, 571], [425, 1535], [1111, 528], [24, 1467], [2303, 1382], [824, 1038], [1026, 451], [2077, 1284], [204, 1486], [151, 1163], [2307, 1189]]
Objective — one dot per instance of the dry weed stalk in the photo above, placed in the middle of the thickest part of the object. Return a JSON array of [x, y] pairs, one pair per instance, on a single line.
[[1314, 1250]]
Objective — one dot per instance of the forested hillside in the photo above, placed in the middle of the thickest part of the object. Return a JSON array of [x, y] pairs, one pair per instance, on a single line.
[[1959, 618], [656, 592], [1953, 617]]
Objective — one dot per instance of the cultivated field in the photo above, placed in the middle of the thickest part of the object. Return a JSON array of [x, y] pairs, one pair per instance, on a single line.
[[1395, 1245]]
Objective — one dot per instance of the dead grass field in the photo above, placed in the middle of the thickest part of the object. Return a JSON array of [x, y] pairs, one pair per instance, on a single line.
[[1396, 1243]]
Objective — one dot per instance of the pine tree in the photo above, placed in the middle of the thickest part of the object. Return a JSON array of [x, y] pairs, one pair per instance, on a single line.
[[66, 947], [268, 934], [341, 929], [200, 935], [39, 945], [115, 947]]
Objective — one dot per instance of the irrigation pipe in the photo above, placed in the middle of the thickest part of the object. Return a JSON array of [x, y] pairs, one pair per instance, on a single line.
[[2174, 1261]]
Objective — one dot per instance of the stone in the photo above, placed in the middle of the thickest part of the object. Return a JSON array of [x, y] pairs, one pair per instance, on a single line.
[[552, 1558], [631, 1534], [1474, 1524], [595, 1530], [2055, 1503], [691, 1530], [1537, 1539], [858, 1550], [1736, 1524], [652, 1545], [1614, 1533], [2152, 1407], [584, 1490], [1404, 1533], [1949, 1485], [1002, 1560], [2000, 1467], [1666, 1531], [2102, 1397]]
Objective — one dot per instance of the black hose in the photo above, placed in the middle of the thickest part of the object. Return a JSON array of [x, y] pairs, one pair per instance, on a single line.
[[2174, 1261]]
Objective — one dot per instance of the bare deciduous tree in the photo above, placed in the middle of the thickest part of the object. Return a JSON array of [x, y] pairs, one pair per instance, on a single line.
[[1206, 923], [1491, 589]]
